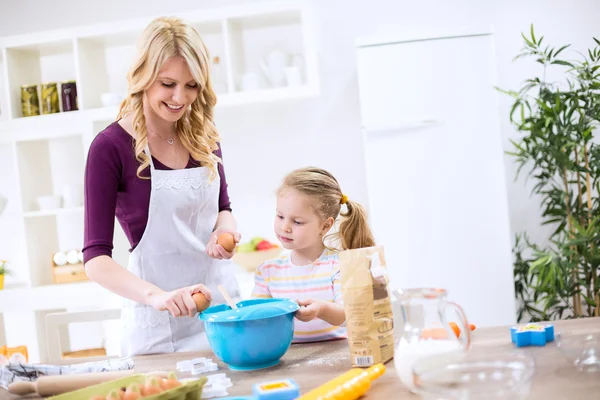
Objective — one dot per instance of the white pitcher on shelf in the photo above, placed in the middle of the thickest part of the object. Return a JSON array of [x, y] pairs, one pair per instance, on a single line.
[[273, 66]]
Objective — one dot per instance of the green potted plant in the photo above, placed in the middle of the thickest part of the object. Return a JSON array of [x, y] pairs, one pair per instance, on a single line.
[[3, 271], [558, 122]]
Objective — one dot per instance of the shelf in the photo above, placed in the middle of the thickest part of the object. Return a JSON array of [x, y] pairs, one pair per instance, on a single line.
[[37, 64], [43, 127], [98, 59], [252, 39], [232, 99], [14, 285], [55, 212], [60, 125], [103, 63], [52, 126], [46, 49], [46, 167], [40, 155], [56, 296], [267, 95], [12, 228], [213, 36]]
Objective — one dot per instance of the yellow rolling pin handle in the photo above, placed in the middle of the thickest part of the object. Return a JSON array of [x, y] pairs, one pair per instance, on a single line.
[[357, 386], [350, 385], [322, 390]]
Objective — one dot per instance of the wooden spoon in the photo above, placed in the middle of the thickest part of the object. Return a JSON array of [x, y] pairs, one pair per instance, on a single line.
[[227, 297]]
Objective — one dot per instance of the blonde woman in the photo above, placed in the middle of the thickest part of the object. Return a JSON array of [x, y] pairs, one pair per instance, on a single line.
[[158, 169]]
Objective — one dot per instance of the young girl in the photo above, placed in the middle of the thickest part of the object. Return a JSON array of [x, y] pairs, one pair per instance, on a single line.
[[308, 204]]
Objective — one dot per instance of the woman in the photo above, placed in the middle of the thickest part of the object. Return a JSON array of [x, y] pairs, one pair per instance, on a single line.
[[158, 169]]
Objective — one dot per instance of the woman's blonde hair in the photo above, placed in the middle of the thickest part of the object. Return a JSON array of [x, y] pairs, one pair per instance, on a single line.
[[164, 38], [327, 199]]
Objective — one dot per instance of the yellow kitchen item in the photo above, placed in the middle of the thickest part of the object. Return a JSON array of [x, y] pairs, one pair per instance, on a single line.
[[30, 103], [349, 386], [97, 352], [69, 274], [49, 103], [1, 281], [9, 351]]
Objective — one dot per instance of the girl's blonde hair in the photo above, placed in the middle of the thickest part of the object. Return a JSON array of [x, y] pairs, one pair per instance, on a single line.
[[164, 38], [327, 199]]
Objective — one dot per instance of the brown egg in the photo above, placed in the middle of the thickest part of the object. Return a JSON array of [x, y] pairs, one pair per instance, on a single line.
[[201, 301], [227, 241]]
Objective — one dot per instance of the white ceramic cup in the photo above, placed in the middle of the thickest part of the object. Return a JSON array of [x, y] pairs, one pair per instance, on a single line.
[[292, 76], [72, 195]]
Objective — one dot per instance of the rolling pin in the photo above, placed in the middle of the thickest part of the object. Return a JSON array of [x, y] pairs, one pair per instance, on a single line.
[[59, 384]]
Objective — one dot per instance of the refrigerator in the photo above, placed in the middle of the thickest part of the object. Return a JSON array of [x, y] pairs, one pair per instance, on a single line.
[[435, 171]]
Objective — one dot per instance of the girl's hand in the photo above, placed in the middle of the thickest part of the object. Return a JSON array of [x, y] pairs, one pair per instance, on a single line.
[[309, 309], [217, 251], [179, 302]]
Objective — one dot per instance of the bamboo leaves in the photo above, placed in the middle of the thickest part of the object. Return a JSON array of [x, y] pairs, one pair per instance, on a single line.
[[557, 151]]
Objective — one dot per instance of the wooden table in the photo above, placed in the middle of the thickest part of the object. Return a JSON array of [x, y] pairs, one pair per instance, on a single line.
[[313, 364]]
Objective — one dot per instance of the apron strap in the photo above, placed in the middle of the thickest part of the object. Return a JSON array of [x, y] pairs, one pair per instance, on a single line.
[[147, 151]]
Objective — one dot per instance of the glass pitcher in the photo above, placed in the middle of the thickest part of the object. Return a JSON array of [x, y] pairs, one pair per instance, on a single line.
[[425, 329]]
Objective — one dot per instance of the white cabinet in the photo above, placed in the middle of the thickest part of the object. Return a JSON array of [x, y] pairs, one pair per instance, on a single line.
[[435, 170], [40, 155]]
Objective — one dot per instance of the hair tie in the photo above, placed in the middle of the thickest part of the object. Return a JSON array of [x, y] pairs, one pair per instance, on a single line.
[[344, 199]]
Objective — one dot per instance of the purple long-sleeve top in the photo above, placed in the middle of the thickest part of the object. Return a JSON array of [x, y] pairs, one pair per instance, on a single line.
[[112, 188]]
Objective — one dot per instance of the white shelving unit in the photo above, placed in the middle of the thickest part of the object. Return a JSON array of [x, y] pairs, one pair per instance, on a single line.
[[40, 155]]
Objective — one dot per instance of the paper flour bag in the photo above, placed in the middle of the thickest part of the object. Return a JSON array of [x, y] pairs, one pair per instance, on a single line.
[[367, 304]]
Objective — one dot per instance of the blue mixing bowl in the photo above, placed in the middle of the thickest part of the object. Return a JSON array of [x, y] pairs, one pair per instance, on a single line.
[[254, 336]]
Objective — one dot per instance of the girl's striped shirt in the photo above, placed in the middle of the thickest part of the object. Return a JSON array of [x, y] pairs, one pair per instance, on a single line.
[[319, 280]]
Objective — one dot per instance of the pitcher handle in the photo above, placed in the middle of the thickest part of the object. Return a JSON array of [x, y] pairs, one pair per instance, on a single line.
[[466, 329]]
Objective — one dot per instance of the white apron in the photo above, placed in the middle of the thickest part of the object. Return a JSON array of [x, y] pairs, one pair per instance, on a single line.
[[184, 205]]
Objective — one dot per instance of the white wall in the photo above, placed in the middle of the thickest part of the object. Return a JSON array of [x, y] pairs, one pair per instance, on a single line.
[[259, 151]]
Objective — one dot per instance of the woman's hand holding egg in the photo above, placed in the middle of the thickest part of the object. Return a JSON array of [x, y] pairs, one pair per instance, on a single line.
[[221, 244], [202, 302], [181, 302]]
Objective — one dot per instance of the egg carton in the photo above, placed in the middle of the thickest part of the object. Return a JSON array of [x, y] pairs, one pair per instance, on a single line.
[[190, 390], [197, 366]]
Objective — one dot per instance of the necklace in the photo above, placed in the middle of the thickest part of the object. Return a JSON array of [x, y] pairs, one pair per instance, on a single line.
[[170, 140]]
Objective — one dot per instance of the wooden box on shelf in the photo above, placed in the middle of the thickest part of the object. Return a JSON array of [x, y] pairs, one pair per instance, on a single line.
[[68, 273], [98, 352]]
